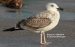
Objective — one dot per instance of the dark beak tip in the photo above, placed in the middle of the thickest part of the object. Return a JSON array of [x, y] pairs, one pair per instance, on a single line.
[[60, 9]]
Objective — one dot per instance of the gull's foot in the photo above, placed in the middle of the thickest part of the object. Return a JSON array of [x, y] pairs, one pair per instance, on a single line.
[[43, 43], [46, 43]]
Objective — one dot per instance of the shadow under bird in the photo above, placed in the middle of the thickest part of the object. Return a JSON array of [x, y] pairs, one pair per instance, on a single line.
[[42, 22]]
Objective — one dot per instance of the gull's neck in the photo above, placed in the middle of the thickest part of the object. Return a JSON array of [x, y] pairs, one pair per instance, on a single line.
[[56, 14], [53, 11]]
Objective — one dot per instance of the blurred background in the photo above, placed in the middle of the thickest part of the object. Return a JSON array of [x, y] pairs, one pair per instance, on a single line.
[[9, 17]]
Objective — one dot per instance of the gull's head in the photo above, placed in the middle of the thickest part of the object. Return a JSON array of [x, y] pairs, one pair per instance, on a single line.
[[53, 7]]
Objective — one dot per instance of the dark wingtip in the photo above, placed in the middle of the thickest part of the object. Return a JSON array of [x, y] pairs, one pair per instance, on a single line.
[[12, 29]]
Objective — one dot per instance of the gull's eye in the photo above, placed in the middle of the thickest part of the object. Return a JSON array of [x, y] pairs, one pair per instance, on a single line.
[[52, 5]]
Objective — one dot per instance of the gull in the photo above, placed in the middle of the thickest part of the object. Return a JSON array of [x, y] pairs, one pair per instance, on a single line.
[[42, 22]]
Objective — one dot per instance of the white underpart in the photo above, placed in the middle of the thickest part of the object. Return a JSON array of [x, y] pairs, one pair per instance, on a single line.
[[55, 20], [54, 16]]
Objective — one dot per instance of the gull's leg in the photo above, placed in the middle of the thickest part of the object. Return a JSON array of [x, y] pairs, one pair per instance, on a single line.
[[42, 38]]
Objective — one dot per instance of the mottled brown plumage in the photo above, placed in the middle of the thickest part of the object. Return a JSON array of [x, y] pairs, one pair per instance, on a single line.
[[39, 21], [42, 22]]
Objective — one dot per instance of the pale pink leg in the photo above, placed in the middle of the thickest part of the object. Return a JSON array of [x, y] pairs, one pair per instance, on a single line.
[[42, 38]]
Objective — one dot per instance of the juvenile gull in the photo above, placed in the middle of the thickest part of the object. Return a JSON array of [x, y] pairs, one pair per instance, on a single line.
[[42, 22]]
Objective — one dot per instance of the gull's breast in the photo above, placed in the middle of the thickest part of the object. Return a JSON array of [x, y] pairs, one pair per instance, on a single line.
[[53, 24]]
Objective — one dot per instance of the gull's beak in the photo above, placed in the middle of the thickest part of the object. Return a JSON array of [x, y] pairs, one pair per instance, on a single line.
[[60, 8]]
